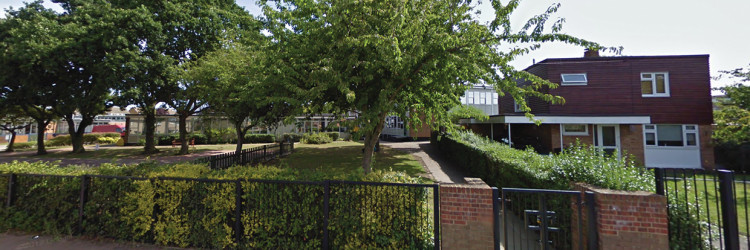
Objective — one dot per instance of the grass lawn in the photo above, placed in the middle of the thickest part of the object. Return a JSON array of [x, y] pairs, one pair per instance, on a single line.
[[345, 157], [708, 193], [116, 152]]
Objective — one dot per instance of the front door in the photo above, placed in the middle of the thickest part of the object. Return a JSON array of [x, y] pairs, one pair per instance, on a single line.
[[608, 138]]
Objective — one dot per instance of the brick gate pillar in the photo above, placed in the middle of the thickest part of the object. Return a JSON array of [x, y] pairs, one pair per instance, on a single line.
[[466, 215], [629, 220]]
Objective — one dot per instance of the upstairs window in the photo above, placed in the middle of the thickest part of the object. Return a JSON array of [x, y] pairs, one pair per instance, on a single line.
[[655, 84], [574, 79]]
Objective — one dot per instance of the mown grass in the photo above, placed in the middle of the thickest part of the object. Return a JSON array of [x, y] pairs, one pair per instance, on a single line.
[[341, 157], [706, 189], [116, 152]]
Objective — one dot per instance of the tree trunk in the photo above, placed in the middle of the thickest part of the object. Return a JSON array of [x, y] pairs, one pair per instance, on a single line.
[[150, 123], [76, 134], [41, 126], [11, 142], [371, 139], [240, 137], [184, 146]]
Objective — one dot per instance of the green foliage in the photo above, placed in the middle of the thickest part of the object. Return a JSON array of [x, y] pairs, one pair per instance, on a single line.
[[691, 230], [334, 135], [221, 136], [294, 137], [465, 112], [23, 145], [199, 138], [500, 165], [316, 138], [259, 138], [201, 214], [733, 117], [90, 138]]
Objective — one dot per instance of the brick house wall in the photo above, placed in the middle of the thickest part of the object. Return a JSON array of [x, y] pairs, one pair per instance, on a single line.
[[707, 146]]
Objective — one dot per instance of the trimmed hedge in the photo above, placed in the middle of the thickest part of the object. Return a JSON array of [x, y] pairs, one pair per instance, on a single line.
[[90, 138], [201, 214], [291, 137], [502, 166], [316, 138], [259, 138]]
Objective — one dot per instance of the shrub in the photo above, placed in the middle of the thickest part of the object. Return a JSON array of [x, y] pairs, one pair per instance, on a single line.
[[334, 135], [199, 138], [201, 214], [60, 140], [165, 140], [24, 145], [316, 138], [292, 137], [90, 138], [260, 138], [221, 136]]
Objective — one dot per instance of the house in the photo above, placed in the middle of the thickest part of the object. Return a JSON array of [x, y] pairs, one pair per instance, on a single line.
[[657, 108]]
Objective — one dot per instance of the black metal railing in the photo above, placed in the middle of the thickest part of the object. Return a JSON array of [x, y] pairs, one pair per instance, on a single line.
[[248, 156], [220, 213], [707, 208], [544, 219]]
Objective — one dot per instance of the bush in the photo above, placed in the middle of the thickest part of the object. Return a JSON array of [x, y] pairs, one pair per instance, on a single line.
[[199, 138], [90, 138], [200, 214], [316, 138], [24, 145], [166, 140], [294, 137], [334, 135], [221, 136], [259, 138]]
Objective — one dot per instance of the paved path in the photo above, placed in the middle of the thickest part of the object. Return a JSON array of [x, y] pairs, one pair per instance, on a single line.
[[13, 241], [441, 170]]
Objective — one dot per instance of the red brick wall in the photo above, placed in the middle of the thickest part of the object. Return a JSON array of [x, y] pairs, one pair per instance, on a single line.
[[630, 220], [631, 141], [466, 217]]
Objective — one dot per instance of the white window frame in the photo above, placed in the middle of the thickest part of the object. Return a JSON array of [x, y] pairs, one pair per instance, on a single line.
[[516, 108], [585, 132], [482, 98], [685, 132], [653, 84], [470, 97], [573, 83], [495, 97]]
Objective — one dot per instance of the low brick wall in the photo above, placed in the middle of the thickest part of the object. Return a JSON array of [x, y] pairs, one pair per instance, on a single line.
[[630, 220], [466, 215]]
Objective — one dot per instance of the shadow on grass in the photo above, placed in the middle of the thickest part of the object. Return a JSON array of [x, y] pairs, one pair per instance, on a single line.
[[344, 158]]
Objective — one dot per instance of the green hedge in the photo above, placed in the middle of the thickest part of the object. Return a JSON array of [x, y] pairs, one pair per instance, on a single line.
[[291, 137], [201, 214], [259, 138], [316, 138], [502, 166], [24, 145], [90, 138]]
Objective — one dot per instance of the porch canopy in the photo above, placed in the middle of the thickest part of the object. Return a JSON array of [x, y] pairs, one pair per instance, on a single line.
[[564, 119]]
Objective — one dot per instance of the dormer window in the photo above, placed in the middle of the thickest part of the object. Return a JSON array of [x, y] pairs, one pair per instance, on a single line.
[[574, 79], [655, 84]]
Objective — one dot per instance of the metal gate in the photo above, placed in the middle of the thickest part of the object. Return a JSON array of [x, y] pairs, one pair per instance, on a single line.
[[544, 219]]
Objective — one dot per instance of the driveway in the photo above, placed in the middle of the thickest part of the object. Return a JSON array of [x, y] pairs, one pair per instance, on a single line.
[[441, 169]]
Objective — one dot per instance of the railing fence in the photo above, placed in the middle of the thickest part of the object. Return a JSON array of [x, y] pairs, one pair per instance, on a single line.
[[248, 156]]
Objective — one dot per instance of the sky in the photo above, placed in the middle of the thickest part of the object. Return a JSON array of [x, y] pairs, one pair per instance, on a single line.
[[720, 29]]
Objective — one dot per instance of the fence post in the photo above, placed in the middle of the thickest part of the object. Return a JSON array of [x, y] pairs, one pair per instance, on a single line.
[[496, 217], [11, 187], [729, 210], [82, 201], [326, 198], [264, 152], [659, 176], [436, 191], [593, 237], [238, 212]]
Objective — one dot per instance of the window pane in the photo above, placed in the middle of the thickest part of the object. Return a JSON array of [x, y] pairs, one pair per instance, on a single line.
[[646, 88], [690, 127], [574, 78], [482, 98], [660, 84], [476, 98], [609, 136], [470, 97], [691, 139], [669, 135], [645, 76], [494, 98], [649, 126], [575, 128], [650, 139]]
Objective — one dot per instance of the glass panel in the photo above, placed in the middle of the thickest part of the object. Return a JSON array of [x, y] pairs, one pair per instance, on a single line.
[[574, 78], [609, 151], [646, 88], [609, 136], [649, 126], [494, 98], [482, 97], [669, 135], [689, 127], [574, 128], [691, 139], [470, 97], [650, 139], [645, 76], [476, 98], [660, 84]]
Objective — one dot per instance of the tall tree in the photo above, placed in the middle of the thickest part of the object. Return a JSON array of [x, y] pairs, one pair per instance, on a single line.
[[186, 31], [396, 56], [733, 117], [12, 119], [29, 48], [235, 79]]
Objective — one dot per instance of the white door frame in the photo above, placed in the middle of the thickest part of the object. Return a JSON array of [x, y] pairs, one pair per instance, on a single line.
[[600, 140]]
